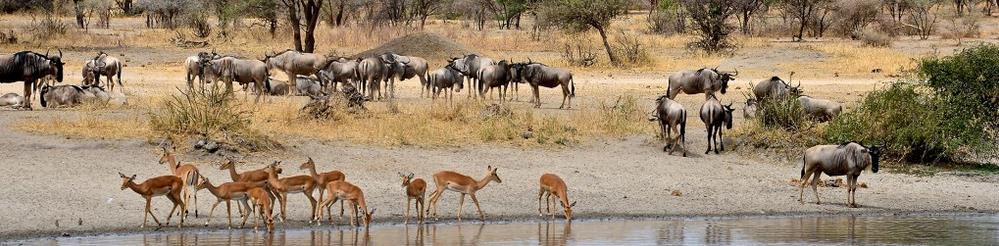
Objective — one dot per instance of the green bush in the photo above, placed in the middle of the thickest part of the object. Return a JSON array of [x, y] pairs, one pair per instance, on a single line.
[[782, 112], [950, 116], [212, 113]]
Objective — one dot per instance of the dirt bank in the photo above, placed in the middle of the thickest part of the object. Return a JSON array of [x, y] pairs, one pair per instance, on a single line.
[[53, 183]]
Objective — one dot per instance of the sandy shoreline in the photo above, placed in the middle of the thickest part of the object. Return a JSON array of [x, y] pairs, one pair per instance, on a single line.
[[72, 179]]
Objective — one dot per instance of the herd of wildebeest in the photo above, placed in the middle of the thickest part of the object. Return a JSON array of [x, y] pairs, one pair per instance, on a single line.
[[317, 75]]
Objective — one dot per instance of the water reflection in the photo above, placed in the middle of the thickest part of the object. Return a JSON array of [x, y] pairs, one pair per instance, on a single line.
[[961, 230]]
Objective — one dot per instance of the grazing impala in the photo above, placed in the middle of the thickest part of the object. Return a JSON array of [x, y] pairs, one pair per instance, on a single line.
[[415, 189], [187, 173], [322, 179], [258, 175], [168, 185], [264, 204], [447, 180], [228, 192], [296, 184], [552, 184], [341, 190]]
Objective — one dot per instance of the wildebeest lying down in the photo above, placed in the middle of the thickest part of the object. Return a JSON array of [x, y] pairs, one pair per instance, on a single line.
[[820, 109], [72, 95], [834, 160], [294, 63], [672, 118], [704, 80], [11, 100], [537, 74], [29, 67], [304, 86]]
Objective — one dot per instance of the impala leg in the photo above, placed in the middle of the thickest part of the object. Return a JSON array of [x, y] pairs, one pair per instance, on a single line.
[[354, 216], [284, 204], [245, 216], [461, 204], [548, 203], [212, 212], [408, 202], [312, 202], [477, 208], [228, 213], [195, 204], [422, 207], [149, 212], [541, 193]]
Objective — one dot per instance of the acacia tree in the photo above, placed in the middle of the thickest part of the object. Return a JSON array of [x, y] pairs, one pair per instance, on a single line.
[[309, 10], [581, 15], [422, 9], [709, 16], [802, 11], [748, 8]]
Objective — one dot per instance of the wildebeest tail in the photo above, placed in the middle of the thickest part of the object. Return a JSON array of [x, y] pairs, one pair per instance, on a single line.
[[683, 128], [119, 75], [802, 169], [267, 81]]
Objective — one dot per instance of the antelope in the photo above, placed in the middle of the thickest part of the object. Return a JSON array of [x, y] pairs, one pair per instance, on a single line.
[[281, 187], [341, 190], [552, 184], [448, 180], [227, 192], [168, 185], [415, 189], [256, 176], [322, 179], [262, 202], [187, 173]]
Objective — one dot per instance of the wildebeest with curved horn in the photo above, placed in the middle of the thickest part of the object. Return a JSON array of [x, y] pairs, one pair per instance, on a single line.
[[704, 80], [537, 74], [714, 115], [820, 109], [446, 79], [411, 66], [469, 66], [774, 87], [672, 119], [109, 66], [370, 73], [29, 67], [495, 76], [338, 70], [834, 160], [229, 69], [194, 67], [294, 63]]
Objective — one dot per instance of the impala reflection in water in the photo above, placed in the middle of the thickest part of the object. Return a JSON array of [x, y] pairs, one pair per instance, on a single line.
[[949, 229]]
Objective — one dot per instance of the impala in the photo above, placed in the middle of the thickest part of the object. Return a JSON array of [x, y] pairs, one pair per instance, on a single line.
[[228, 192], [258, 175], [187, 173], [447, 180], [415, 189], [168, 185], [297, 184], [322, 179], [552, 184], [341, 190], [262, 202]]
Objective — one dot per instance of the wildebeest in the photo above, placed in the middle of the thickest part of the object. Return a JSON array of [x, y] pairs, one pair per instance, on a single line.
[[411, 66], [704, 80], [714, 115], [446, 79], [296, 63], [672, 118], [537, 74], [71, 95], [194, 67], [820, 109], [469, 66], [11, 100], [495, 76], [774, 87], [338, 70], [304, 86], [90, 72], [834, 160], [371, 72], [229, 69], [29, 67], [749, 111], [109, 66]]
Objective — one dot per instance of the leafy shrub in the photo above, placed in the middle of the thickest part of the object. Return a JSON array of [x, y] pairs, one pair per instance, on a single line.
[[212, 113], [782, 112], [620, 118], [630, 48], [950, 116]]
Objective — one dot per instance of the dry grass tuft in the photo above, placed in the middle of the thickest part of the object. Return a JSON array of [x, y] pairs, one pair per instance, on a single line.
[[851, 58]]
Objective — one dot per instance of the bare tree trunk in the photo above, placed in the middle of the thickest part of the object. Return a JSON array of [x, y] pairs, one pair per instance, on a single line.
[[311, 9], [79, 13], [603, 35], [295, 22]]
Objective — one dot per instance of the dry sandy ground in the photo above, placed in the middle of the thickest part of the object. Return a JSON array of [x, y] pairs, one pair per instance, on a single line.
[[54, 183]]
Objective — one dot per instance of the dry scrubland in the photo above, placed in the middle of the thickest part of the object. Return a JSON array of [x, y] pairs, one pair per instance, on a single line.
[[603, 147]]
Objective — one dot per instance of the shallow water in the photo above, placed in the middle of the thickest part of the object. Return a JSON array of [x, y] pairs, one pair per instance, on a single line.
[[906, 230]]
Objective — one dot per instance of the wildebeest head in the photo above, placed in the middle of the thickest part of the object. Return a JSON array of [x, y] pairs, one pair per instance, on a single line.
[[728, 115], [875, 152], [55, 63], [725, 77]]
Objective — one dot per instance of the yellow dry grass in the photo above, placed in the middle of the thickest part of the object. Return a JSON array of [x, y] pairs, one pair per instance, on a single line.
[[851, 58], [87, 125]]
